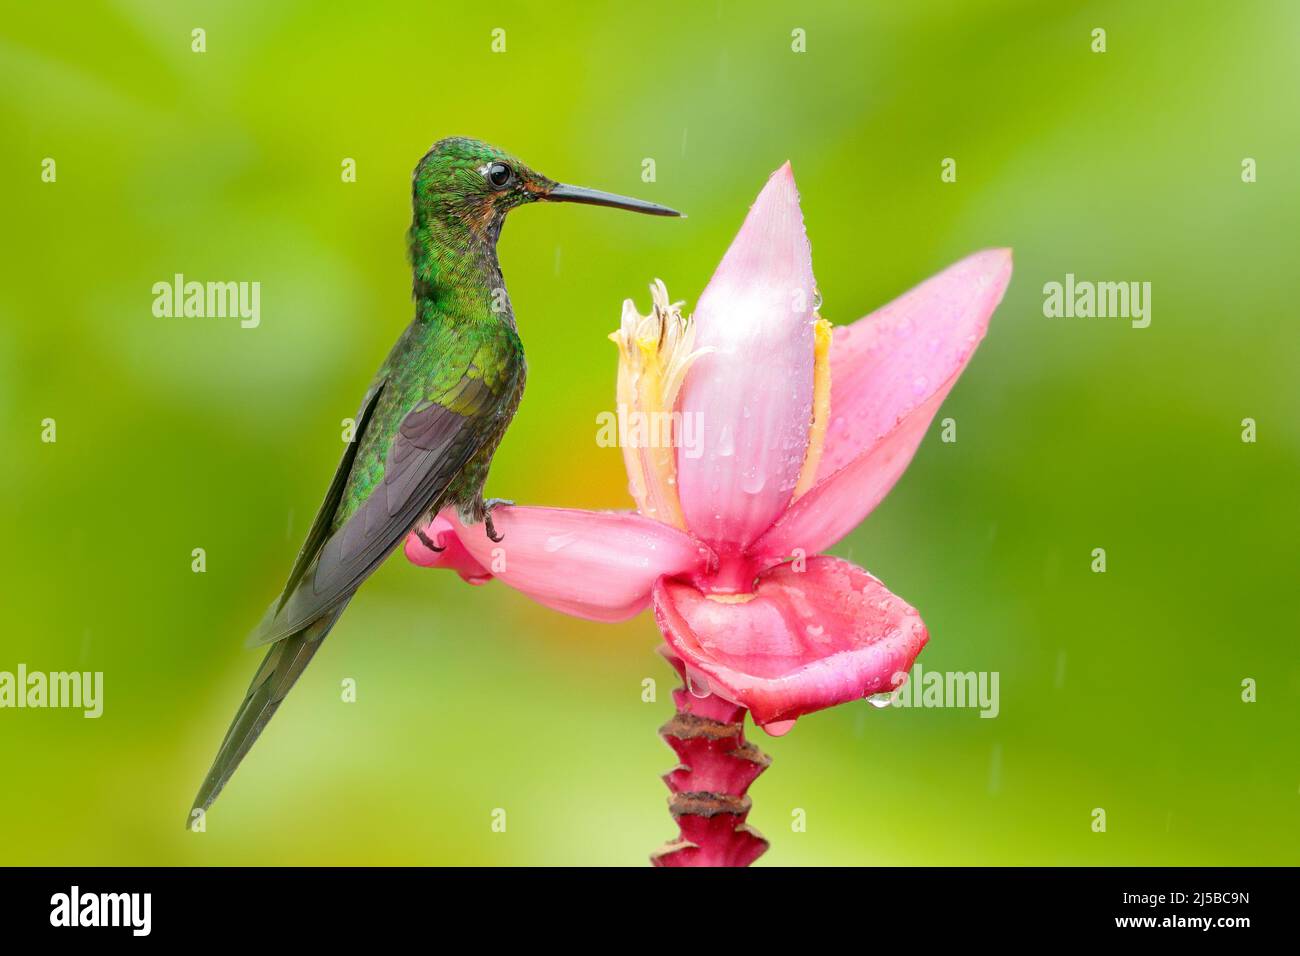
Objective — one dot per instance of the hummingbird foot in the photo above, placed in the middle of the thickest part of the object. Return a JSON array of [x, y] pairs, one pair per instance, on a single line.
[[487, 517], [427, 542]]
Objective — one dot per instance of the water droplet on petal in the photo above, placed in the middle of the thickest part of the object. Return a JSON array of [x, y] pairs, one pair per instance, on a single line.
[[778, 728], [697, 684], [880, 700], [557, 541], [753, 481]]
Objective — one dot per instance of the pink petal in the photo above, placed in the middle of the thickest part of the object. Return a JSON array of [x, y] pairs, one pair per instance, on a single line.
[[885, 365], [890, 373], [452, 556], [837, 505], [807, 640], [752, 395], [598, 565]]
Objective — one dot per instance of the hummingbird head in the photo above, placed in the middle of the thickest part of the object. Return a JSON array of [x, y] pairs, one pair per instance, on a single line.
[[465, 182]]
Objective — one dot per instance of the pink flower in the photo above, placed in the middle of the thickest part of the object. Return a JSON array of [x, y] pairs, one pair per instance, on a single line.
[[796, 433]]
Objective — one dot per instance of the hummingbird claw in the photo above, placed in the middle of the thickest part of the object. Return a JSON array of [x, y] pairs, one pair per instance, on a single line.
[[487, 517], [424, 540]]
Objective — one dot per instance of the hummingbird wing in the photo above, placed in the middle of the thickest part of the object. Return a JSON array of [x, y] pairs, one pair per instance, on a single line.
[[430, 447], [288, 659], [324, 521], [434, 441]]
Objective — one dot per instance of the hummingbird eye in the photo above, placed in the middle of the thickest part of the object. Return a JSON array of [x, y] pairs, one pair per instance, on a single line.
[[500, 175]]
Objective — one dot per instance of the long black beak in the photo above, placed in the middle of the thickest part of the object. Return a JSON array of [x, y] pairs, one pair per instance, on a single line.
[[594, 197]]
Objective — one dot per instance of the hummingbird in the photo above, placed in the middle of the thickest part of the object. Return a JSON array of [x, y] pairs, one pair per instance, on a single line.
[[429, 423]]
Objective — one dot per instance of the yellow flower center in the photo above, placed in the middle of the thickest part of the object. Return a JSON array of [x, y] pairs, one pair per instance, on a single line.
[[655, 353], [821, 410]]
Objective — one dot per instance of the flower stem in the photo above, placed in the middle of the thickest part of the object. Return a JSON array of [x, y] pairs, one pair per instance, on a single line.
[[716, 766]]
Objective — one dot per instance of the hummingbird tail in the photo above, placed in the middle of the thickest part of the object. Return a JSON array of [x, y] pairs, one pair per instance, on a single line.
[[283, 664]]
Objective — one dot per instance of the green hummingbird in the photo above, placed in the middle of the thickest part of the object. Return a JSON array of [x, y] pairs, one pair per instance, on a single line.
[[428, 424]]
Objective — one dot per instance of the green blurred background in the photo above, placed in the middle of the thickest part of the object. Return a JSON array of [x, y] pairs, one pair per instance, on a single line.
[[1119, 690]]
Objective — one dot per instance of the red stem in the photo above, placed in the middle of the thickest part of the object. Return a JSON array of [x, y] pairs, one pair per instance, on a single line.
[[716, 766]]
